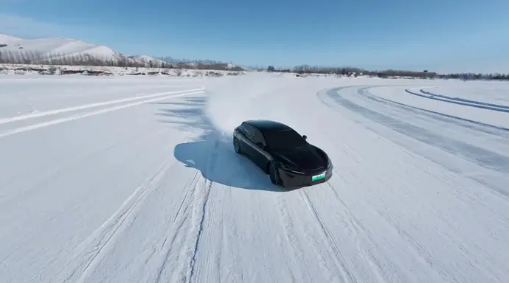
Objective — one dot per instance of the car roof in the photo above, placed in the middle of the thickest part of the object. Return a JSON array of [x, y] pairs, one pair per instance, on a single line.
[[268, 125]]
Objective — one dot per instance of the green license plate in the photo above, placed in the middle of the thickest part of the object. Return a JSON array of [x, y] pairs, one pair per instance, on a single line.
[[318, 177]]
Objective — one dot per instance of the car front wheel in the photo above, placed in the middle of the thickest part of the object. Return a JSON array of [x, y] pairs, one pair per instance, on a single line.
[[236, 145], [274, 175]]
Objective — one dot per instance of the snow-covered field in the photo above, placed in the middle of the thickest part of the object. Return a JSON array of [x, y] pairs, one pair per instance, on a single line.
[[460, 104], [134, 179], [495, 94]]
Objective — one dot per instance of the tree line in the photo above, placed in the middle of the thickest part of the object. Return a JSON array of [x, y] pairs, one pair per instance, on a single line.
[[84, 59], [352, 71]]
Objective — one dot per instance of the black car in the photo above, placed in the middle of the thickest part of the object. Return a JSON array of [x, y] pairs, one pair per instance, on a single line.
[[282, 153]]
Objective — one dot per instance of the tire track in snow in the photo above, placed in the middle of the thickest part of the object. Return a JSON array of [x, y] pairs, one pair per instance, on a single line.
[[290, 238], [424, 255], [472, 103], [450, 119], [367, 243], [89, 253], [356, 224], [50, 173], [487, 160], [310, 240], [422, 90], [329, 238], [362, 237], [190, 218], [166, 248], [88, 114], [374, 248], [480, 156], [233, 232], [201, 200], [75, 160], [199, 217], [378, 268], [92, 105]]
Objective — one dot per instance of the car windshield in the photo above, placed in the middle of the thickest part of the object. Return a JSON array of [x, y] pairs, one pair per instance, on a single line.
[[283, 139]]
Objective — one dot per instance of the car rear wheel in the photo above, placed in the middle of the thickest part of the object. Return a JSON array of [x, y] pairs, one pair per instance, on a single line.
[[236, 145]]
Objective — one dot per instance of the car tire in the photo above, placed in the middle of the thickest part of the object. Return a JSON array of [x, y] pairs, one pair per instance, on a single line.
[[274, 175], [236, 146]]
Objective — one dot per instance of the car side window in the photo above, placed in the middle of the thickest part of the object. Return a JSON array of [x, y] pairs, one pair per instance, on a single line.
[[259, 137], [248, 132], [242, 129]]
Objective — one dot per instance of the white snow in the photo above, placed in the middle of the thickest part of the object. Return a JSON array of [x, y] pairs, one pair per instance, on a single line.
[[134, 179], [147, 59], [495, 92], [496, 118], [5, 39]]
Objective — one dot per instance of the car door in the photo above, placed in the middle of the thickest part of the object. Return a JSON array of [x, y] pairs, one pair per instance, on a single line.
[[247, 141], [260, 155]]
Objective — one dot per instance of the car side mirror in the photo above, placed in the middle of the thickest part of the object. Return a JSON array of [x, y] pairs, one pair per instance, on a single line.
[[305, 137]]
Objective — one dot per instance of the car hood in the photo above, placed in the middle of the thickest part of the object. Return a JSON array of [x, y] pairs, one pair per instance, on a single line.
[[303, 158]]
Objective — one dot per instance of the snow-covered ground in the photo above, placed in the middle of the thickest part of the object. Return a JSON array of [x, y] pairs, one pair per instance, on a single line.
[[461, 104], [134, 179], [495, 93]]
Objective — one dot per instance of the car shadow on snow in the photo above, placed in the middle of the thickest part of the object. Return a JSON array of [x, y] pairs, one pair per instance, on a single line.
[[211, 151]]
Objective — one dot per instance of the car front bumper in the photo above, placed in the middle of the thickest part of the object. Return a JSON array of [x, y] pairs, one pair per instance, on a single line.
[[291, 179]]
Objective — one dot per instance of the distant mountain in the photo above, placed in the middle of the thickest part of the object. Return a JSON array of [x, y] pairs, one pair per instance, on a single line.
[[14, 49], [194, 62], [147, 60], [52, 48], [171, 59]]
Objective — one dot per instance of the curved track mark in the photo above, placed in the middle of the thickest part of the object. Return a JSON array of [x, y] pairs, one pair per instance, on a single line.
[[480, 156], [464, 100], [475, 105], [471, 124]]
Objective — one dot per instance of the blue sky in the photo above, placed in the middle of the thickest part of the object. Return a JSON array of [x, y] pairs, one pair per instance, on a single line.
[[441, 35]]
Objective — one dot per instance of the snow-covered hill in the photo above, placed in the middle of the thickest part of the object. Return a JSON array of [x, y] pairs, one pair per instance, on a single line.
[[147, 60], [49, 50], [7, 39], [53, 48]]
